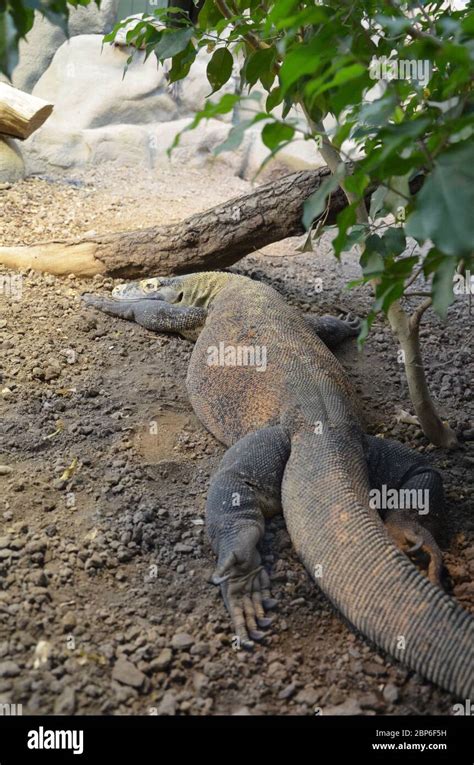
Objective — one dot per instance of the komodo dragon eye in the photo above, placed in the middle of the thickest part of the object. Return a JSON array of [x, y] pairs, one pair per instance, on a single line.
[[149, 285]]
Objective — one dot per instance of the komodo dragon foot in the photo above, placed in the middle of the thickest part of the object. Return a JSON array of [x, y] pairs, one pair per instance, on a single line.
[[334, 330], [394, 466], [412, 539], [246, 596]]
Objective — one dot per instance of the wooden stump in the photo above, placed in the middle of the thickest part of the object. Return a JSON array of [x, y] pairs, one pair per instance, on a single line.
[[21, 113]]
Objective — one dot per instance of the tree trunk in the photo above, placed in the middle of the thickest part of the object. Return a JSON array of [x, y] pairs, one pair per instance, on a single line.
[[406, 330], [214, 239], [21, 113]]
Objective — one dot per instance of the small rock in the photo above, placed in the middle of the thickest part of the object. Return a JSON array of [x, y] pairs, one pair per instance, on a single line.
[[9, 669], [182, 548], [287, 692], [69, 621], [168, 704], [391, 693], [5, 470], [374, 669], [308, 696], [66, 703], [349, 707], [38, 578], [127, 674], [163, 660], [181, 641]]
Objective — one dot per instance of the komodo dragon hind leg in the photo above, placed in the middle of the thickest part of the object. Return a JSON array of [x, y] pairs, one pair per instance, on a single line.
[[395, 466], [245, 489], [334, 330]]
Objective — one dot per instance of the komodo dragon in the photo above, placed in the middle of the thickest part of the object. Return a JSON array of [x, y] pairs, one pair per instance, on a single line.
[[295, 441]]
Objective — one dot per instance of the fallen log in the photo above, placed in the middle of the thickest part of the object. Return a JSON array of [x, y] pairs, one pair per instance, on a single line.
[[210, 240], [216, 238], [21, 113]]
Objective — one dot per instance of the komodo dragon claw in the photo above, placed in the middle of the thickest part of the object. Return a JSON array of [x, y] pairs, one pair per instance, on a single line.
[[352, 321], [406, 531], [246, 598]]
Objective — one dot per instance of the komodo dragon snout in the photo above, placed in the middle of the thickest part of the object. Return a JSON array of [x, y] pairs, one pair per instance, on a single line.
[[319, 467]]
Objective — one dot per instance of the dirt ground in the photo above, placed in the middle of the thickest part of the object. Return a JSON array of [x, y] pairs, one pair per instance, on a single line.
[[105, 606]]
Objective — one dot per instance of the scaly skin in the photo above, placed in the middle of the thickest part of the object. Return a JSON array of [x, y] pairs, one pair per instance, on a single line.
[[295, 439]]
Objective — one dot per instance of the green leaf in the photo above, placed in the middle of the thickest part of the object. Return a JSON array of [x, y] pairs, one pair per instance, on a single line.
[[173, 42], [275, 133], [372, 264], [282, 9], [386, 295], [274, 98], [365, 329], [209, 15], [259, 66], [357, 183], [300, 61], [343, 75], [442, 287], [316, 203], [394, 241], [376, 201], [211, 109], [236, 134], [398, 195], [356, 235], [345, 219], [219, 68], [182, 62], [444, 206]]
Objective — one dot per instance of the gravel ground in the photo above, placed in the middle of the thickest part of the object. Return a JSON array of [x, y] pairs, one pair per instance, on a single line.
[[105, 606]]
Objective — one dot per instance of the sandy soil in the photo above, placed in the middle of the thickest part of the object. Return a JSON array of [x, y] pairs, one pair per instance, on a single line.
[[104, 602]]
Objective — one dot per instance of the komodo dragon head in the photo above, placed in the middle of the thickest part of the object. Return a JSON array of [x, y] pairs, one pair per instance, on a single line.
[[191, 290]]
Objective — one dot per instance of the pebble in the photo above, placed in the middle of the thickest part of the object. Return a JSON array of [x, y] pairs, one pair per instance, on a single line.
[[287, 692], [391, 693], [9, 669], [182, 548], [127, 673], [168, 704], [349, 707], [308, 696], [163, 660], [66, 703], [68, 621], [181, 641]]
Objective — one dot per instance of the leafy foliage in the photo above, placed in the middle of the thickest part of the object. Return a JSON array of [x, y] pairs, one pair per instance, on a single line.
[[316, 59]]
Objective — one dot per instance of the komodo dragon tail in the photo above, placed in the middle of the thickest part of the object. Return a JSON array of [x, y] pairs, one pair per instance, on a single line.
[[347, 551]]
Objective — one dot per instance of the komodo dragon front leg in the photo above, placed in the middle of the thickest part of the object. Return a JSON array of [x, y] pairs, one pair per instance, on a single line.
[[395, 466], [245, 490], [153, 314]]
